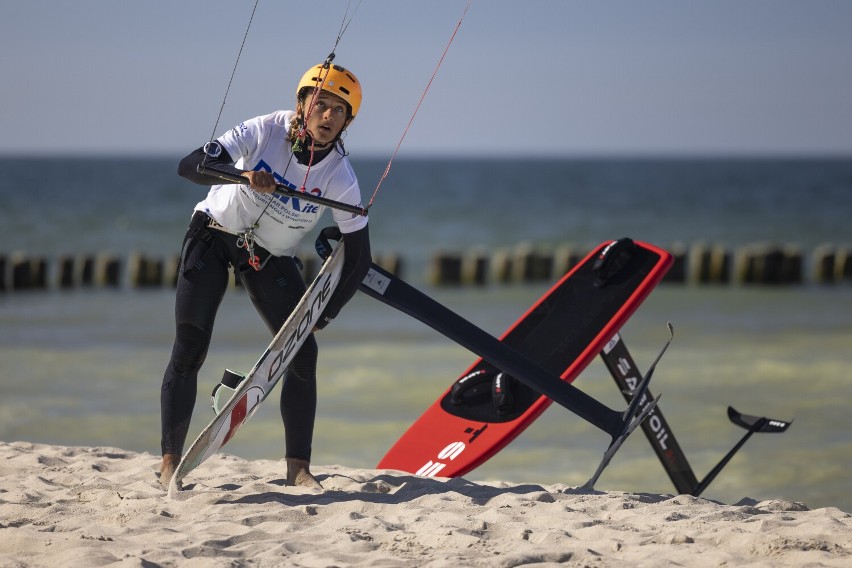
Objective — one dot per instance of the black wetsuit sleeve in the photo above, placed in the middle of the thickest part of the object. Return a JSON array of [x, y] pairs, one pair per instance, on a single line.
[[356, 262], [188, 167]]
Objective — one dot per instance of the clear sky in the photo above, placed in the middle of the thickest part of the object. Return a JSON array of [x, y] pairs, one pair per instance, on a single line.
[[557, 77]]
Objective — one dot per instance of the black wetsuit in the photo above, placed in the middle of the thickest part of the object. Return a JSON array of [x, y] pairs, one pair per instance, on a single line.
[[206, 256]]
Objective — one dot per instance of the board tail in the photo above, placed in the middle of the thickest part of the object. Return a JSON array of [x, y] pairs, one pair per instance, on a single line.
[[661, 436]]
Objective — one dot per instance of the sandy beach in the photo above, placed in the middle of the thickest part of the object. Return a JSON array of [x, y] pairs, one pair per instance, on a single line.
[[86, 506]]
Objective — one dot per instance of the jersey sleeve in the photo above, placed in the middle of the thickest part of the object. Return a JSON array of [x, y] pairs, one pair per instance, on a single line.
[[348, 191], [242, 141], [346, 221]]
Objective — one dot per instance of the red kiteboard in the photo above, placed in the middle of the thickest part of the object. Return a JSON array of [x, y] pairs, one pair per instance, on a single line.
[[485, 409]]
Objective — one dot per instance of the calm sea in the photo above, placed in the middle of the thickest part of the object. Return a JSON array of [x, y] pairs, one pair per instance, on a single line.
[[84, 367]]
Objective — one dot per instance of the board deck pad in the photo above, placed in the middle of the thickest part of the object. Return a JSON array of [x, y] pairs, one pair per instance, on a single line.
[[266, 373], [562, 332]]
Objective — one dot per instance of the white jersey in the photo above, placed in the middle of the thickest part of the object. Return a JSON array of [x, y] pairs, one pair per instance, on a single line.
[[262, 144]]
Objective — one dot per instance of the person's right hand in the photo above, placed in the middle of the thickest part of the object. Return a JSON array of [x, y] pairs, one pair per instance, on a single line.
[[260, 181]]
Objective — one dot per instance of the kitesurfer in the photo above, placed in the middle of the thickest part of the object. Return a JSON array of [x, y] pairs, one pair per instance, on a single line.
[[254, 231]]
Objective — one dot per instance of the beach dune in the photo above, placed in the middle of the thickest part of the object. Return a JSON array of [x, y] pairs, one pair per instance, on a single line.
[[83, 506]]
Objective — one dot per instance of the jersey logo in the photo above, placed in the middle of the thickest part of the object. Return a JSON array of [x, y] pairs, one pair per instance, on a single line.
[[294, 202]]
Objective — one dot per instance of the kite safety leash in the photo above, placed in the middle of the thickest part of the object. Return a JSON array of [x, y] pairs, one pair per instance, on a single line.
[[246, 241]]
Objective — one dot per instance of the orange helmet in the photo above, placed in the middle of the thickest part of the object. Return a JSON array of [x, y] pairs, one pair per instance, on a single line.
[[335, 80]]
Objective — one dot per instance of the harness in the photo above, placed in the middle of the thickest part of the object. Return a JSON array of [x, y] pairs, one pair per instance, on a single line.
[[245, 240]]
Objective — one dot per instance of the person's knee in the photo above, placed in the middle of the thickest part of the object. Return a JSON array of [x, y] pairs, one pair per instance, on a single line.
[[190, 349], [304, 365]]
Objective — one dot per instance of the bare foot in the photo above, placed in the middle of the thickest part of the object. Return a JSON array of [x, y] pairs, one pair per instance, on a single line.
[[167, 468], [299, 473]]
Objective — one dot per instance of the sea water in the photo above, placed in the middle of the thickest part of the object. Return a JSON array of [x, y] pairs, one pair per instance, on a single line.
[[83, 367]]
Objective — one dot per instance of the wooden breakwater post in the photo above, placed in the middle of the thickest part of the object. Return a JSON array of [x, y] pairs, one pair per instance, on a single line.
[[709, 264], [831, 264], [677, 274], [769, 264], [445, 269], [391, 262], [88, 271], [145, 271], [24, 272]]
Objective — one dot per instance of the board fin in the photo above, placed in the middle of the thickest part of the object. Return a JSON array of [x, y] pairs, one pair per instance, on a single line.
[[753, 425], [617, 442], [634, 415], [758, 424], [662, 438]]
